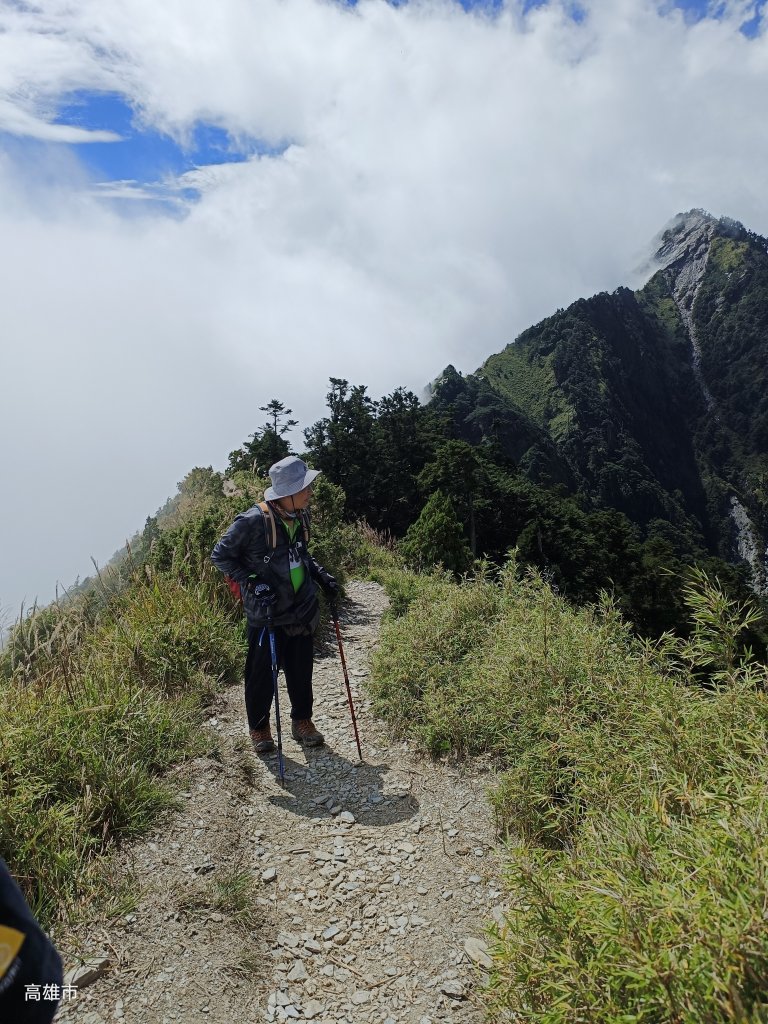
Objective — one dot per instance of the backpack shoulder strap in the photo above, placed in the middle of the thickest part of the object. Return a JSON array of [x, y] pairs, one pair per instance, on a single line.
[[270, 525], [305, 524]]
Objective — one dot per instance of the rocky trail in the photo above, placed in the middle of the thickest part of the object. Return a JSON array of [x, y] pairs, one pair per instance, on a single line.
[[359, 893]]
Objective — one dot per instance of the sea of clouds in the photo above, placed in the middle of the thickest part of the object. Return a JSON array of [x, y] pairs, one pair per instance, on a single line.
[[434, 181]]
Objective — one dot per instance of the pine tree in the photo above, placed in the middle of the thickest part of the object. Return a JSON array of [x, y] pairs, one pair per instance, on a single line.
[[437, 538], [268, 444]]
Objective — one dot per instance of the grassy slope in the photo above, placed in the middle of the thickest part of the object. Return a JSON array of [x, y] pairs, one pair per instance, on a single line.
[[92, 711], [634, 799]]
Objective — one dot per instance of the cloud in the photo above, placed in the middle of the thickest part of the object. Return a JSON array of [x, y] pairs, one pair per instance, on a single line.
[[19, 122], [437, 181]]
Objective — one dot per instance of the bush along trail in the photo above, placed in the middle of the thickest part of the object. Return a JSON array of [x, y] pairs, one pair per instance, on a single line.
[[358, 892]]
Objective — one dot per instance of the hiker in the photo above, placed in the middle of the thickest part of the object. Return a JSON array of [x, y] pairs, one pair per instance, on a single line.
[[30, 967], [265, 552]]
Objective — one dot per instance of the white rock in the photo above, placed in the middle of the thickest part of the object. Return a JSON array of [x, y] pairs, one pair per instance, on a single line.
[[90, 970], [347, 816], [360, 997], [298, 972], [453, 988], [269, 875], [313, 1008], [478, 952]]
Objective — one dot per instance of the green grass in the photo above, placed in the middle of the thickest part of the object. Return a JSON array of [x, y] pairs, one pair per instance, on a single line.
[[95, 705], [728, 254], [233, 893], [632, 798], [529, 383]]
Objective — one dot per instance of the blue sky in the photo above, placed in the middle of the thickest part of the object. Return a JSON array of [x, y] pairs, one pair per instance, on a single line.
[[141, 154], [144, 155]]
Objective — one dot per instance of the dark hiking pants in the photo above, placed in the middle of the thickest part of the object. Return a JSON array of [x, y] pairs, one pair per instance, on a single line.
[[294, 657]]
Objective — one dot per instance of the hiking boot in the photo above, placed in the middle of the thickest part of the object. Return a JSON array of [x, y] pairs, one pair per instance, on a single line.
[[304, 732], [262, 740]]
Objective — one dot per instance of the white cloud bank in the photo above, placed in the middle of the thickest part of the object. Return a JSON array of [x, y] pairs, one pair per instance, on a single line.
[[449, 179]]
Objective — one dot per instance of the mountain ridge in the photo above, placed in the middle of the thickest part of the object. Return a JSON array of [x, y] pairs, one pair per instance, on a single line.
[[636, 399]]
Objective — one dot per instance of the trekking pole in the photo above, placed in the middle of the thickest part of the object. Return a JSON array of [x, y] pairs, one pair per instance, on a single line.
[[346, 677], [273, 651]]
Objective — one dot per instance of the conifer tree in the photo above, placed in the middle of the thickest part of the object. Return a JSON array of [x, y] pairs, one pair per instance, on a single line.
[[343, 445], [266, 445], [437, 538]]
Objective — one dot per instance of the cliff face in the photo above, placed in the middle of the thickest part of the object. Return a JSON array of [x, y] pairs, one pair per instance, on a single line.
[[653, 402], [717, 273]]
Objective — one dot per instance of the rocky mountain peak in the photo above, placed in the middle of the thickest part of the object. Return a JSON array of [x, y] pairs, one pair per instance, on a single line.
[[683, 246], [685, 238]]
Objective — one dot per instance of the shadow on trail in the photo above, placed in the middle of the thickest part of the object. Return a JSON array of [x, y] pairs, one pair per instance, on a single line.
[[352, 618], [325, 772]]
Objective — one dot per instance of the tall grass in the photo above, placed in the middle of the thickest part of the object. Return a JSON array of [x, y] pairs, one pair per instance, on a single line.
[[97, 698], [633, 798]]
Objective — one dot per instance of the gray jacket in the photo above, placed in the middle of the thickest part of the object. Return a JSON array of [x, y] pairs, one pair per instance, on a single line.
[[244, 554]]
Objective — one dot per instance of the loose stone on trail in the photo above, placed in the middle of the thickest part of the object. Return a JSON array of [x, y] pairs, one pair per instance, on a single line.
[[453, 988], [478, 952]]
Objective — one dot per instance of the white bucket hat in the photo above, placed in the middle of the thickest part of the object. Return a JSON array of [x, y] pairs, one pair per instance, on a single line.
[[289, 476]]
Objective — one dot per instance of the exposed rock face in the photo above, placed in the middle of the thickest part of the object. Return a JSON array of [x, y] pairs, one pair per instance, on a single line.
[[683, 255], [684, 248], [748, 542]]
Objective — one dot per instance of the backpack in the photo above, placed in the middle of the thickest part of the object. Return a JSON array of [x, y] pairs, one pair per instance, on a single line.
[[270, 536]]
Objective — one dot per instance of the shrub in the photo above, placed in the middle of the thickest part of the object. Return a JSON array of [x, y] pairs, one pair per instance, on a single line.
[[437, 538]]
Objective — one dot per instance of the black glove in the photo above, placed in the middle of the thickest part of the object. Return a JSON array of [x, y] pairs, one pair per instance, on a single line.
[[329, 584], [262, 593]]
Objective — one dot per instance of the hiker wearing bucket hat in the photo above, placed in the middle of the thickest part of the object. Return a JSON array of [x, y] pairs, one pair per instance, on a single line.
[[265, 551]]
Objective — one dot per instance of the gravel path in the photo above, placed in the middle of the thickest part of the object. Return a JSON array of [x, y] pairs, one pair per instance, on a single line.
[[365, 880]]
